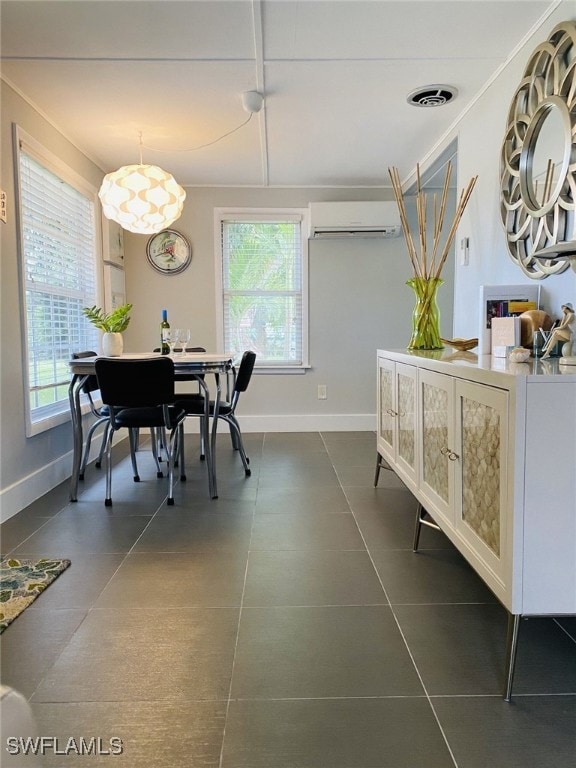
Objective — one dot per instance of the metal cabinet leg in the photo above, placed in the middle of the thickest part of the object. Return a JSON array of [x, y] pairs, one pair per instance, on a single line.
[[377, 473], [420, 512], [422, 518], [511, 648], [380, 464]]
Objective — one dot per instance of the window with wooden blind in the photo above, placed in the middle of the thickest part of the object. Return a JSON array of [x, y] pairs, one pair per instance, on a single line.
[[58, 277], [263, 265]]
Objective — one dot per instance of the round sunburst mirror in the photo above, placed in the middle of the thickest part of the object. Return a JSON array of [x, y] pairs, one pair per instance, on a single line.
[[538, 160]]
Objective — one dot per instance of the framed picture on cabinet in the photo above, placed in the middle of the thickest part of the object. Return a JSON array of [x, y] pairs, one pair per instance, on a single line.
[[503, 301], [112, 242]]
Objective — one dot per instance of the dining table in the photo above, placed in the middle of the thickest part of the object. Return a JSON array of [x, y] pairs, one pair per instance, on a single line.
[[189, 364]]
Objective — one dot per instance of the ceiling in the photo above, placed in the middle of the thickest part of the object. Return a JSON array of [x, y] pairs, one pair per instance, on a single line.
[[335, 74]]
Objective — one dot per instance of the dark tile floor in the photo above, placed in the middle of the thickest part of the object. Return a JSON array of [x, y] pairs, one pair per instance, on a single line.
[[287, 624]]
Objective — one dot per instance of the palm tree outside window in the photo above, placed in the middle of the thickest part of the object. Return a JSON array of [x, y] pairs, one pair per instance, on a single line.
[[263, 263]]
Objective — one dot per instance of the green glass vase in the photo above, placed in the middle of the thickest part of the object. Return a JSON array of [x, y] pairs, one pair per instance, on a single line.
[[426, 315]]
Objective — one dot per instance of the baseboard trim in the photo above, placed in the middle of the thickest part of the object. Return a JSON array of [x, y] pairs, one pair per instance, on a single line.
[[20, 494], [26, 490], [309, 422]]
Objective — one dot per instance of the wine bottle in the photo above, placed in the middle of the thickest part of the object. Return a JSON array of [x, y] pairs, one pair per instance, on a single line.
[[164, 328]]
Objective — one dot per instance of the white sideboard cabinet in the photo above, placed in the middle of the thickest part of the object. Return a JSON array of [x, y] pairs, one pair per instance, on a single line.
[[488, 448]]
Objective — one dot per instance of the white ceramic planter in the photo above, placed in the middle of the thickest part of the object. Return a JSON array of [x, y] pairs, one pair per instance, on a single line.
[[112, 344]]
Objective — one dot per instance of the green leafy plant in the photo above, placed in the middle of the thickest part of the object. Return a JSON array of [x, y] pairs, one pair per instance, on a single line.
[[113, 322]]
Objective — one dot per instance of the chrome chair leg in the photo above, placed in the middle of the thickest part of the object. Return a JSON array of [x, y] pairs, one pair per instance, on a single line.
[[180, 453], [104, 420], [132, 439], [154, 432], [202, 446], [160, 438], [172, 449], [108, 497], [234, 438], [76, 415], [102, 447], [235, 429]]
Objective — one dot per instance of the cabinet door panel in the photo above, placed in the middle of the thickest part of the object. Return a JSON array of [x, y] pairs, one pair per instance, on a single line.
[[406, 419], [436, 420], [397, 417], [481, 471], [482, 450], [386, 407]]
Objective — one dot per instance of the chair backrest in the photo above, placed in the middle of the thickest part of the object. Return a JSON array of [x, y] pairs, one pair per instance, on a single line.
[[245, 371], [136, 383], [91, 383]]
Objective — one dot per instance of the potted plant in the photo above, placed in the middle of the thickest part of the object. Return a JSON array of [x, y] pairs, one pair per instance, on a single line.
[[112, 324]]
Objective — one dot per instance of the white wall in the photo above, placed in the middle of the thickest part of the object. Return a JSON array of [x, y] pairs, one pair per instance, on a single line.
[[358, 302], [28, 466], [480, 135], [357, 294]]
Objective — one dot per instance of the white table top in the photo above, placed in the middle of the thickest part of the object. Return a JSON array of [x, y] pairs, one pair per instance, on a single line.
[[192, 361]]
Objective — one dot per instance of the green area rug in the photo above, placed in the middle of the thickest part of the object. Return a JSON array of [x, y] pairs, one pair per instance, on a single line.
[[21, 581]]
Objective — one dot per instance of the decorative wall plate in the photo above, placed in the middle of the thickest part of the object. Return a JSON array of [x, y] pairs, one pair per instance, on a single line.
[[169, 252], [537, 168]]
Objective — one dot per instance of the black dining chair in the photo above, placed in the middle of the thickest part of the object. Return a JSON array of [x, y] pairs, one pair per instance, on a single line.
[[189, 377], [140, 394], [194, 406], [190, 395], [100, 413]]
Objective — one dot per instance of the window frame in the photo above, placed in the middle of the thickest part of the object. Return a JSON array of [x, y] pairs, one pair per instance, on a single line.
[[264, 214], [59, 412]]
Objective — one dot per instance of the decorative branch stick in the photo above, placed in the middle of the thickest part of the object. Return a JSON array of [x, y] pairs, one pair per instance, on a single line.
[[423, 267], [421, 210], [463, 202], [438, 230], [397, 187]]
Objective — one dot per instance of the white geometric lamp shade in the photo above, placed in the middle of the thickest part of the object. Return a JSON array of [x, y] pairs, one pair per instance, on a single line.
[[141, 198]]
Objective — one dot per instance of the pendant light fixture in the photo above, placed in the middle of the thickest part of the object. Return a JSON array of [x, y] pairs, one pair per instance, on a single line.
[[141, 198], [146, 199]]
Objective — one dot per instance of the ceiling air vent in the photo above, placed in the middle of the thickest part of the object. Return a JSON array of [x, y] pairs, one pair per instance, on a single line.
[[432, 96]]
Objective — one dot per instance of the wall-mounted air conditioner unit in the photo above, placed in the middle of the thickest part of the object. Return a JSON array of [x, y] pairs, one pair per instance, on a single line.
[[354, 219]]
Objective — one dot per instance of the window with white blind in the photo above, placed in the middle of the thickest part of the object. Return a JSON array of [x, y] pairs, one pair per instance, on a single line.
[[58, 277], [263, 264]]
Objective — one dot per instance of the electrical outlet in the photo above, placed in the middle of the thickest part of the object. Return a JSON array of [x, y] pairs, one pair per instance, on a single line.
[[322, 394], [2, 205]]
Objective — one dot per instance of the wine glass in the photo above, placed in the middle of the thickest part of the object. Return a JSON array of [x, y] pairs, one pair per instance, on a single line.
[[171, 338], [183, 338]]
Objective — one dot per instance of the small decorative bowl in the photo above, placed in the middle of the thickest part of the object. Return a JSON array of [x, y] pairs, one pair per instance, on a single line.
[[462, 345], [519, 355]]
